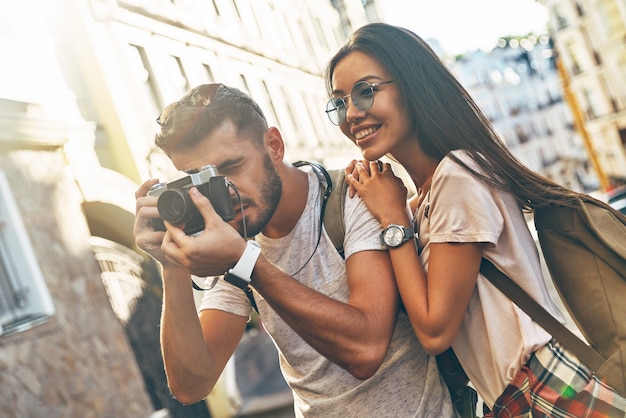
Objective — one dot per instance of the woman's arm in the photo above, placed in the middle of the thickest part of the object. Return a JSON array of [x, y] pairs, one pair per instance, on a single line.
[[436, 302]]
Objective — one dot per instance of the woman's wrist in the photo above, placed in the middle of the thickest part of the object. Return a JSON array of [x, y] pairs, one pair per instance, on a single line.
[[398, 219]]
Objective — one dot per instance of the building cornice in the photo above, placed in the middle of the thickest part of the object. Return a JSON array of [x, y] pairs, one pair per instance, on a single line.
[[25, 132]]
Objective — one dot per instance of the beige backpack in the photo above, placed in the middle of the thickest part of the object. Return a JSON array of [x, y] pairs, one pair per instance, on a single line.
[[585, 251]]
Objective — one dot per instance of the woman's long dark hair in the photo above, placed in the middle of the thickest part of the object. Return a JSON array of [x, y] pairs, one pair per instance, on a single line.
[[445, 117]]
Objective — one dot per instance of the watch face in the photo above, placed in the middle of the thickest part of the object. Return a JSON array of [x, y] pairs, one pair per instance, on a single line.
[[393, 236]]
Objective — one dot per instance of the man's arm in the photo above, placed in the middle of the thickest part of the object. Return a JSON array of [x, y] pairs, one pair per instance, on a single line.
[[195, 347], [355, 335], [195, 350]]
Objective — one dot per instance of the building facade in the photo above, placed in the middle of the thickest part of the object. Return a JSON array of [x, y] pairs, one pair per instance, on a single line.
[[518, 87], [589, 39], [62, 350], [82, 84]]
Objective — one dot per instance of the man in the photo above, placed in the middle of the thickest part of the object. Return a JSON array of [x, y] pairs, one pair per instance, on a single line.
[[344, 348]]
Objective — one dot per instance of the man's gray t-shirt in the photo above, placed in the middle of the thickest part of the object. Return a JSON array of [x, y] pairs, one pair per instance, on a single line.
[[407, 384]]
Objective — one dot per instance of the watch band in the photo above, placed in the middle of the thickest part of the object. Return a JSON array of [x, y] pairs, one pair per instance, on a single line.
[[240, 274]]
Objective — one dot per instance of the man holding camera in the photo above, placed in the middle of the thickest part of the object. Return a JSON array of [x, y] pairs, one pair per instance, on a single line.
[[345, 347]]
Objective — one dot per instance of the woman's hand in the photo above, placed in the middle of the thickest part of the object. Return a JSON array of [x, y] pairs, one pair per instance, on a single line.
[[382, 191], [352, 169]]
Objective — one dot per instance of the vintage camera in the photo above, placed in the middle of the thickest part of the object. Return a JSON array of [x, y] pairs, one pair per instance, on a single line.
[[175, 205]]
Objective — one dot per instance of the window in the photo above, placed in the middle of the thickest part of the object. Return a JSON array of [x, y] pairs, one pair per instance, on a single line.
[[522, 134], [121, 275], [178, 74], [24, 297], [591, 102], [142, 70], [272, 108], [621, 73], [216, 8], [610, 15], [572, 51], [210, 77]]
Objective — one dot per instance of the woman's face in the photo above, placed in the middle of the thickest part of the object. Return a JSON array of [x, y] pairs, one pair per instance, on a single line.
[[386, 125]]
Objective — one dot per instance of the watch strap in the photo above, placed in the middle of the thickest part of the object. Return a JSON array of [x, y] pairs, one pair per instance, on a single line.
[[409, 234], [240, 274]]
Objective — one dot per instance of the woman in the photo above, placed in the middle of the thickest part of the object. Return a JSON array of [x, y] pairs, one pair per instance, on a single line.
[[392, 96]]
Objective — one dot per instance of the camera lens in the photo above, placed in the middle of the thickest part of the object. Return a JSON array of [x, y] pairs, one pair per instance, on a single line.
[[175, 206]]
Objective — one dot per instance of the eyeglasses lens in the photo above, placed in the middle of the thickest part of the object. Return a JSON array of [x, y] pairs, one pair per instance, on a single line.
[[362, 96], [336, 110]]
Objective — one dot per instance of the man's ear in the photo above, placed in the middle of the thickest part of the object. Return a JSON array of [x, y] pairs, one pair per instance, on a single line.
[[274, 145]]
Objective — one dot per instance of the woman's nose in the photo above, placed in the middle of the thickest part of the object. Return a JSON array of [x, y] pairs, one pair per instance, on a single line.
[[352, 111]]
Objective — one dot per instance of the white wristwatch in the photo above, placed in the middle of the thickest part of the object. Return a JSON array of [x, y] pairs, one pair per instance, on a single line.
[[240, 274], [396, 235]]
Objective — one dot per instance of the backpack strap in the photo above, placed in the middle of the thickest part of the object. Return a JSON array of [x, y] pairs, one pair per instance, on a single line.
[[334, 203], [539, 314], [333, 218]]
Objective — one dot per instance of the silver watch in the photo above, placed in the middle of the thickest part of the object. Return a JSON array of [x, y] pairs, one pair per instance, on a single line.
[[396, 235]]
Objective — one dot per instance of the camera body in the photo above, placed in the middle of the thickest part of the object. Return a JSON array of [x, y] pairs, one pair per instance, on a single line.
[[175, 205]]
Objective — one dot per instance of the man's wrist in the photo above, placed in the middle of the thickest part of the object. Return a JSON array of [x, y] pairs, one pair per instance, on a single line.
[[240, 274]]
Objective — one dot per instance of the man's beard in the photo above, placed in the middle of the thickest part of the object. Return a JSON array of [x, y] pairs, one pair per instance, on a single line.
[[270, 197]]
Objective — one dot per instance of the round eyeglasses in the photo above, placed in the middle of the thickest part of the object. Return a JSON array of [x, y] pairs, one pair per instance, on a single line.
[[362, 96]]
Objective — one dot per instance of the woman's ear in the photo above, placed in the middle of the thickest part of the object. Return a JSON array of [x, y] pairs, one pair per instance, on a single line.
[[274, 145]]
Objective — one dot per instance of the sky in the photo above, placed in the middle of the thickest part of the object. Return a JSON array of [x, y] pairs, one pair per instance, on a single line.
[[466, 25]]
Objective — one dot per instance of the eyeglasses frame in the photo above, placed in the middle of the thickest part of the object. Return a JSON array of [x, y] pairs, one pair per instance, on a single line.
[[372, 87]]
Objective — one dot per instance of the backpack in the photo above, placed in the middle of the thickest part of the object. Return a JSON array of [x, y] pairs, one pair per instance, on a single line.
[[585, 252], [333, 223], [333, 218]]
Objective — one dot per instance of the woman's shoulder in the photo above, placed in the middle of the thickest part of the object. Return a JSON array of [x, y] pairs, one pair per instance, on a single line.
[[450, 163], [461, 155]]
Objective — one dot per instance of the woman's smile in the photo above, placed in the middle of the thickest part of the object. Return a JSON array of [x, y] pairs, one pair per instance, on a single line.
[[362, 133]]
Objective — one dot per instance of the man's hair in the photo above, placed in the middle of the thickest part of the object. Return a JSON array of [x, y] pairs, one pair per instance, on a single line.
[[204, 109]]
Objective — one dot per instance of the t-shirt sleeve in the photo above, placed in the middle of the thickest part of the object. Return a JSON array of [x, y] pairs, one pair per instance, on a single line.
[[225, 297], [463, 209], [362, 229]]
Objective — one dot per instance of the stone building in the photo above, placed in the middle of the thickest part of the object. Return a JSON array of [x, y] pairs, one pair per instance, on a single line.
[[81, 84], [63, 352]]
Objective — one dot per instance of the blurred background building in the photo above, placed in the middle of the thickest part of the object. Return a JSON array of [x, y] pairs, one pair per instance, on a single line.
[[81, 84], [589, 41], [517, 86]]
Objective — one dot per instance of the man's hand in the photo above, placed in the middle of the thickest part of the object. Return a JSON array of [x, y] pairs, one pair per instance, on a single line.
[[146, 237], [209, 253]]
